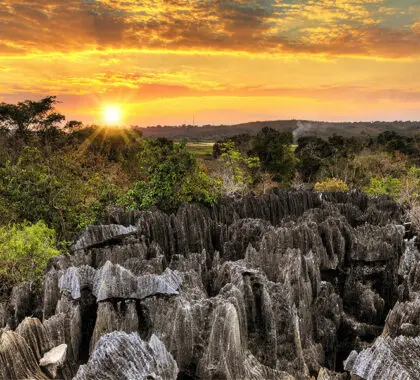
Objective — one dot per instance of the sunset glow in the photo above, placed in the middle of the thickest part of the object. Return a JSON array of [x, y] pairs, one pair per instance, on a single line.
[[217, 62], [112, 115]]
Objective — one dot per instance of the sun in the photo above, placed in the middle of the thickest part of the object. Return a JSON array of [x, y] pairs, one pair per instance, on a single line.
[[112, 115]]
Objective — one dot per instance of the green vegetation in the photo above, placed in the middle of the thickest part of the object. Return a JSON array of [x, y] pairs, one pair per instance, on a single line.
[[24, 252], [331, 184], [57, 178], [203, 150], [172, 177]]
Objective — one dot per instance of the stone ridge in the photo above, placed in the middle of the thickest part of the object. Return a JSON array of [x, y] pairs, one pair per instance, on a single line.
[[282, 286]]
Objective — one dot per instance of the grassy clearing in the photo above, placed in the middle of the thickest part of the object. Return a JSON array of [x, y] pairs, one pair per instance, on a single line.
[[202, 150]]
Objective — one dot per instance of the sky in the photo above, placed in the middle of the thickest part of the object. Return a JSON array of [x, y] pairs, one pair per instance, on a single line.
[[214, 62]]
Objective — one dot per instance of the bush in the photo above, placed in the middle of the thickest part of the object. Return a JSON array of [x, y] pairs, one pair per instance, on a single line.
[[331, 184], [383, 186], [172, 177], [24, 253]]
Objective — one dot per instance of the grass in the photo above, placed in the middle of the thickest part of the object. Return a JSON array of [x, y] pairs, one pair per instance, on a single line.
[[202, 150]]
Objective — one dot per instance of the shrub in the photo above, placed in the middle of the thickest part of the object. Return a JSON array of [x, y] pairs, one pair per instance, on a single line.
[[24, 253], [331, 184], [172, 177], [383, 186]]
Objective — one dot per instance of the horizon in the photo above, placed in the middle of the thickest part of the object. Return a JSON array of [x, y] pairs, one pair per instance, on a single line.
[[218, 63]]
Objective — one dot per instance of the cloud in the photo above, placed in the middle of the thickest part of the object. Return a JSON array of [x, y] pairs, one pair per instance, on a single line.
[[359, 27]]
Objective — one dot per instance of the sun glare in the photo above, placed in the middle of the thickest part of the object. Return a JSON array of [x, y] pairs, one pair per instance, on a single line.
[[112, 115]]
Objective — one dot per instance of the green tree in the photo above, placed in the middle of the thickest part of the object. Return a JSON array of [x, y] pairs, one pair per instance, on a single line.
[[68, 190], [276, 155], [171, 177], [237, 172], [24, 253], [30, 115], [384, 186]]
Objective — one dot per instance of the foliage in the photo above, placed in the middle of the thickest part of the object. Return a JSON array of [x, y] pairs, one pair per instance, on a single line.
[[24, 253], [68, 190], [311, 153], [383, 186], [237, 172], [30, 115], [333, 157], [376, 164], [405, 189], [331, 184], [275, 152], [171, 177], [409, 193], [242, 143]]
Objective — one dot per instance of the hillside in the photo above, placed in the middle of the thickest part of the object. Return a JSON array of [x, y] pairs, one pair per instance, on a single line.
[[298, 127]]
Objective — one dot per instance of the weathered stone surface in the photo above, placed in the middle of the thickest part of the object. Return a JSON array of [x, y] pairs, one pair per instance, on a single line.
[[97, 235], [126, 356], [36, 336], [17, 360], [20, 304], [114, 316], [54, 359], [289, 284], [388, 358], [114, 281]]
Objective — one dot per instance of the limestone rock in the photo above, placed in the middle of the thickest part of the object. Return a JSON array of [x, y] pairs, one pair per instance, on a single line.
[[126, 356], [97, 235], [54, 359], [388, 358], [281, 286]]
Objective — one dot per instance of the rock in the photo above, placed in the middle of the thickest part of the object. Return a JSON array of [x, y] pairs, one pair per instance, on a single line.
[[17, 360], [388, 358], [35, 335], [20, 304], [286, 285], [53, 360], [114, 281], [125, 356], [97, 235]]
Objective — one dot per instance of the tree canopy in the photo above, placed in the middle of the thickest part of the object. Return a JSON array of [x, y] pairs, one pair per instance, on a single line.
[[30, 115]]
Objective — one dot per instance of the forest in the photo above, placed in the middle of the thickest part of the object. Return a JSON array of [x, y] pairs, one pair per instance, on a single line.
[[58, 177]]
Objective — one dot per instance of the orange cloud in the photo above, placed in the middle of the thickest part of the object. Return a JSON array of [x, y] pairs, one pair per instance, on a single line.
[[226, 60], [257, 26]]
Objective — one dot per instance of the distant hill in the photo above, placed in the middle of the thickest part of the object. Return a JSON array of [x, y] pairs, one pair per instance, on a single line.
[[298, 127]]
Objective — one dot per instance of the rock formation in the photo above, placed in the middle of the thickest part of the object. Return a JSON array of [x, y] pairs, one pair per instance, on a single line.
[[287, 285]]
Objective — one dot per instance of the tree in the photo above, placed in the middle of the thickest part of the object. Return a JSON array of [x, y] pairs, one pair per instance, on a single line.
[[68, 189], [311, 152], [30, 115], [276, 155], [171, 176], [237, 171], [24, 253]]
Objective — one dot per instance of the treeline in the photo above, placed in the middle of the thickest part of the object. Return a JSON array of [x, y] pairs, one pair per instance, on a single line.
[[213, 133], [387, 164]]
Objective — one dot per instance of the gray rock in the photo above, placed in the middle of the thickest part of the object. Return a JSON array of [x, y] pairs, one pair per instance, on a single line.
[[388, 358], [126, 356], [97, 235], [54, 359]]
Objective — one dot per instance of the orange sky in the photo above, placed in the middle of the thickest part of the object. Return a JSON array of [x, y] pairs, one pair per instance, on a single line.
[[224, 61]]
